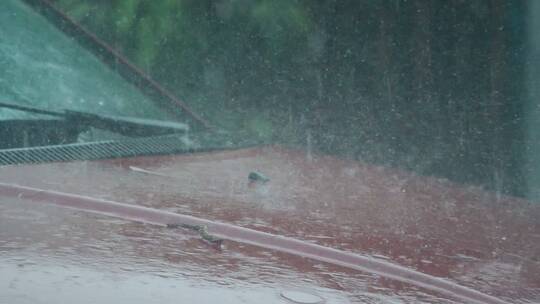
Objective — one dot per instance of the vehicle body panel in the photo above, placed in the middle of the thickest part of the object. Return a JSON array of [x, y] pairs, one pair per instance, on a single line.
[[461, 233]]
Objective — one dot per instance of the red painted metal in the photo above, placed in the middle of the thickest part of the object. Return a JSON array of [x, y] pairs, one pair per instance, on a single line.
[[357, 218], [252, 237]]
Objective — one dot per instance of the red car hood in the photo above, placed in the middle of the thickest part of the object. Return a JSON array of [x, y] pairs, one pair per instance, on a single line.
[[329, 229]]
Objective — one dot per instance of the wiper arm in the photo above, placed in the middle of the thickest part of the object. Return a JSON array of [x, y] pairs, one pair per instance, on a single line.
[[127, 126]]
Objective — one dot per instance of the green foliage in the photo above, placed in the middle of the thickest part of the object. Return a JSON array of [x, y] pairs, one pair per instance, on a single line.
[[125, 15]]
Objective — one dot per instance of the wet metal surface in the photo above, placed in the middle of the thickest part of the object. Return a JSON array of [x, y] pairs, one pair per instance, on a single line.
[[248, 236], [71, 283], [463, 234]]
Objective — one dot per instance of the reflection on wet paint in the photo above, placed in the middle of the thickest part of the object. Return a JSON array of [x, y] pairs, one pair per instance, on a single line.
[[39, 281]]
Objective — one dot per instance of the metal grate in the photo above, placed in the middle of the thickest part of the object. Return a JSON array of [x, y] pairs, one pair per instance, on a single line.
[[156, 145]]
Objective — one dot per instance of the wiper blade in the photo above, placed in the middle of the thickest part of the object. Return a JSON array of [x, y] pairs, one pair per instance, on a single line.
[[127, 126], [30, 109]]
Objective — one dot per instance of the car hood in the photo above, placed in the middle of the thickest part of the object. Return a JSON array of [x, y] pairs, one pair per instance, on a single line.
[[321, 229]]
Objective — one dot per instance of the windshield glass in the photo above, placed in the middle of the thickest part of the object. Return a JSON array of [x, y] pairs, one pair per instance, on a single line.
[[43, 67], [441, 89]]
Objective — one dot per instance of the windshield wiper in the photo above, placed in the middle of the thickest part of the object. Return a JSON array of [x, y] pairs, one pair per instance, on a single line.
[[127, 126]]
